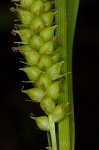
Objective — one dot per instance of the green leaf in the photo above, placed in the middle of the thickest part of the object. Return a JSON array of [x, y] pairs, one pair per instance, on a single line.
[[66, 20]]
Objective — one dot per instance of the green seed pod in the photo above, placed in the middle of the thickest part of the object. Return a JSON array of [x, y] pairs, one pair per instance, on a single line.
[[37, 24], [56, 57], [32, 72], [48, 6], [45, 0], [26, 4], [48, 17], [47, 105], [53, 90], [54, 71], [24, 48], [59, 112], [42, 122], [36, 42], [43, 81], [38, 7], [35, 94], [45, 62], [48, 33], [32, 57], [25, 35], [47, 48], [25, 16]]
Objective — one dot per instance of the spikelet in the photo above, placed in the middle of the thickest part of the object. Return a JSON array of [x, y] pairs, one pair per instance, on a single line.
[[43, 59]]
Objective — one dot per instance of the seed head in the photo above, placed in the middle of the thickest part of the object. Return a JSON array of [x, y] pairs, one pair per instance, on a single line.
[[60, 112], [35, 94], [56, 56], [48, 33], [54, 71], [45, 62], [47, 48], [47, 105], [26, 4], [42, 122], [53, 90], [48, 17], [48, 6], [32, 57], [45, 0], [38, 7], [37, 24], [36, 42], [32, 72], [43, 81], [25, 16], [25, 34]]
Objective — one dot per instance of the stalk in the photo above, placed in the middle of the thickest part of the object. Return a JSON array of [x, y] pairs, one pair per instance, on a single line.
[[52, 133], [66, 19], [63, 126]]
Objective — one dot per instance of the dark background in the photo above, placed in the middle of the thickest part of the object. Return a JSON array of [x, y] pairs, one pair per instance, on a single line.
[[17, 130]]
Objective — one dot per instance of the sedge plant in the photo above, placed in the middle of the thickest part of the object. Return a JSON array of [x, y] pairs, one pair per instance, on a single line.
[[46, 29]]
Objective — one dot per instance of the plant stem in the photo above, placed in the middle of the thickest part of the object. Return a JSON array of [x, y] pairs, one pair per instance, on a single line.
[[63, 126], [49, 139], [52, 132]]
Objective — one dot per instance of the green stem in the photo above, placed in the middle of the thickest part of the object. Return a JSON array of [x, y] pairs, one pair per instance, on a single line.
[[49, 139], [52, 133], [63, 126]]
